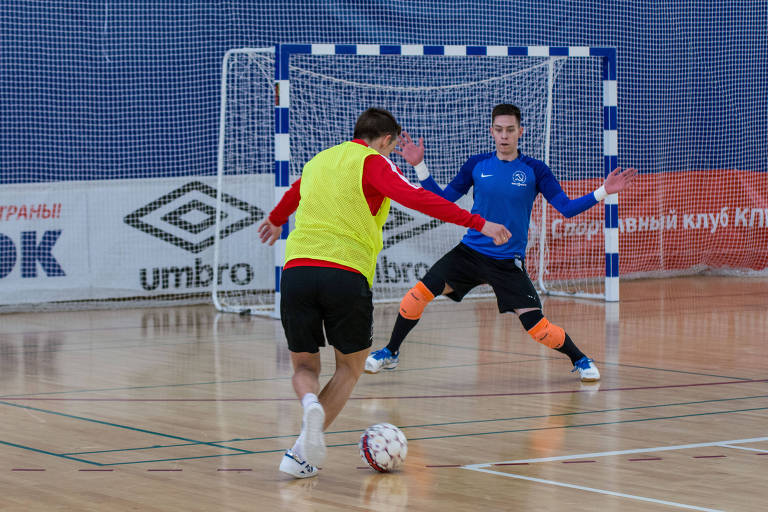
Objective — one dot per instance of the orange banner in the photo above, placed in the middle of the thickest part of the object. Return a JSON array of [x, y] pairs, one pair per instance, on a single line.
[[673, 221]]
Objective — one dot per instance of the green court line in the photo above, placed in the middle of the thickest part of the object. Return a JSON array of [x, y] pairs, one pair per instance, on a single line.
[[234, 440], [467, 435], [449, 423], [63, 456], [589, 424], [619, 365], [537, 357], [288, 377], [158, 386], [117, 425], [620, 409], [239, 381]]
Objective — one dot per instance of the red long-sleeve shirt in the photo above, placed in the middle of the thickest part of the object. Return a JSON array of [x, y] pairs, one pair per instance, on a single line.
[[381, 178]]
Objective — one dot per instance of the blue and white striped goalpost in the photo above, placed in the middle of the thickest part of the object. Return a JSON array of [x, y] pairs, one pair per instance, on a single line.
[[284, 52]]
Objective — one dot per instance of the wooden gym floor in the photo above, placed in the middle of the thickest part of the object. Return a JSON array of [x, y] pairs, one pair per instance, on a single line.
[[183, 409]]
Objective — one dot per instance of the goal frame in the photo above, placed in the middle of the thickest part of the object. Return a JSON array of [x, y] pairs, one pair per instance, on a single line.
[[282, 84], [220, 164]]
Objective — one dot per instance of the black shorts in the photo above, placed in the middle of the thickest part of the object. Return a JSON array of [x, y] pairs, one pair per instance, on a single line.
[[463, 268], [313, 298]]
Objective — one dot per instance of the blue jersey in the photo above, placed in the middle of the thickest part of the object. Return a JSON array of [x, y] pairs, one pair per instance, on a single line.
[[504, 192]]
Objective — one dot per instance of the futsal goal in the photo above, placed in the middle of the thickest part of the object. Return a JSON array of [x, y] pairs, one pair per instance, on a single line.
[[282, 105]]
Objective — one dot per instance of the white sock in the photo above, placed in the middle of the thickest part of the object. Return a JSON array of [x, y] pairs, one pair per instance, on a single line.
[[308, 399], [297, 447]]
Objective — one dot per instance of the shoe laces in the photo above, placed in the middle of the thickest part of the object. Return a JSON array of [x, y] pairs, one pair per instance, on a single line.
[[382, 353], [583, 364]]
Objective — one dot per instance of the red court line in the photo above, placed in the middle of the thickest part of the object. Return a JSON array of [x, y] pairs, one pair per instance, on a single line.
[[165, 470], [234, 469], [511, 464], [26, 469], [525, 393], [443, 466], [95, 469], [649, 458], [577, 461], [708, 456]]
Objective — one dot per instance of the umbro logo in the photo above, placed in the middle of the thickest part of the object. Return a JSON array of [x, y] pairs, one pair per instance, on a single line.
[[186, 217]]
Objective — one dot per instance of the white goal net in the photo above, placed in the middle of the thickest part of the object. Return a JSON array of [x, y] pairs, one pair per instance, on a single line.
[[447, 99], [245, 170]]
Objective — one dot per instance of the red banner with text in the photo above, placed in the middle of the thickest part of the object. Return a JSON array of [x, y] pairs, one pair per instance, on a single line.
[[668, 222]]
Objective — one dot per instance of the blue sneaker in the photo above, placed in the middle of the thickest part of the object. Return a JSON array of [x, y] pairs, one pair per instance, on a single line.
[[381, 358], [587, 370]]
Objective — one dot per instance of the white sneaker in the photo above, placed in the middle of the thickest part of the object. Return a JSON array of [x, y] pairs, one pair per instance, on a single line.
[[587, 370], [312, 438], [381, 359], [297, 468]]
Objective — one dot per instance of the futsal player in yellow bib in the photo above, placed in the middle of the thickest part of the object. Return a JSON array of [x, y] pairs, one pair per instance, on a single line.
[[341, 203]]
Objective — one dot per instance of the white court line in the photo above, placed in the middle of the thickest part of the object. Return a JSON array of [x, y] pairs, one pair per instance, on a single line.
[[600, 491], [481, 468], [619, 452], [742, 448]]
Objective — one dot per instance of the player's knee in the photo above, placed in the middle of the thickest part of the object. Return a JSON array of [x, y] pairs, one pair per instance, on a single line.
[[414, 301], [547, 333]]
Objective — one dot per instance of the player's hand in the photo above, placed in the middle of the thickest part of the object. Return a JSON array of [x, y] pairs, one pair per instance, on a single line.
[[498, 232], [268, 232], [618, 180], [412, 153]]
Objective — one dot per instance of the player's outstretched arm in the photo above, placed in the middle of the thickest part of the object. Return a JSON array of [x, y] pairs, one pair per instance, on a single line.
[[413, 153], [616, 181], [619, 180], [268, 232]]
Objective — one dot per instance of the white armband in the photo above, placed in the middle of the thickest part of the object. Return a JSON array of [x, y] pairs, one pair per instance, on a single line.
[[600, 193], [421, 170]]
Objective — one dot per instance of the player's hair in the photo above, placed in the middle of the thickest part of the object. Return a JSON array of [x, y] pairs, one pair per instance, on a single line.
[[375, 122], [506, 109]]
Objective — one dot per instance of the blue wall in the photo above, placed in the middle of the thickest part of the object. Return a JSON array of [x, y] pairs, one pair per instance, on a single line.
[[94, 90]]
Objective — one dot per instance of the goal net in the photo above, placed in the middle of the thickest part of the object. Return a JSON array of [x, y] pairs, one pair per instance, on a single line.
[[110, 123], [245, 169], [447, 99]]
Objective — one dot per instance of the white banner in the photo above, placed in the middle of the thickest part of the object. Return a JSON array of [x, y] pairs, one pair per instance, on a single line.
[[144, 238], [130, 238]]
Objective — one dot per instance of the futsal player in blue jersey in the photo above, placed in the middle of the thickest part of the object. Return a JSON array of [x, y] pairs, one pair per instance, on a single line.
[[506, 183]]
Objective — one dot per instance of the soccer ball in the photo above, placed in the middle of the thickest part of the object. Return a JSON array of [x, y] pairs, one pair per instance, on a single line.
[[383, 446]]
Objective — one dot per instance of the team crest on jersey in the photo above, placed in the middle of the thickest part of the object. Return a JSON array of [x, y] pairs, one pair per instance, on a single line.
[[518, 178]]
